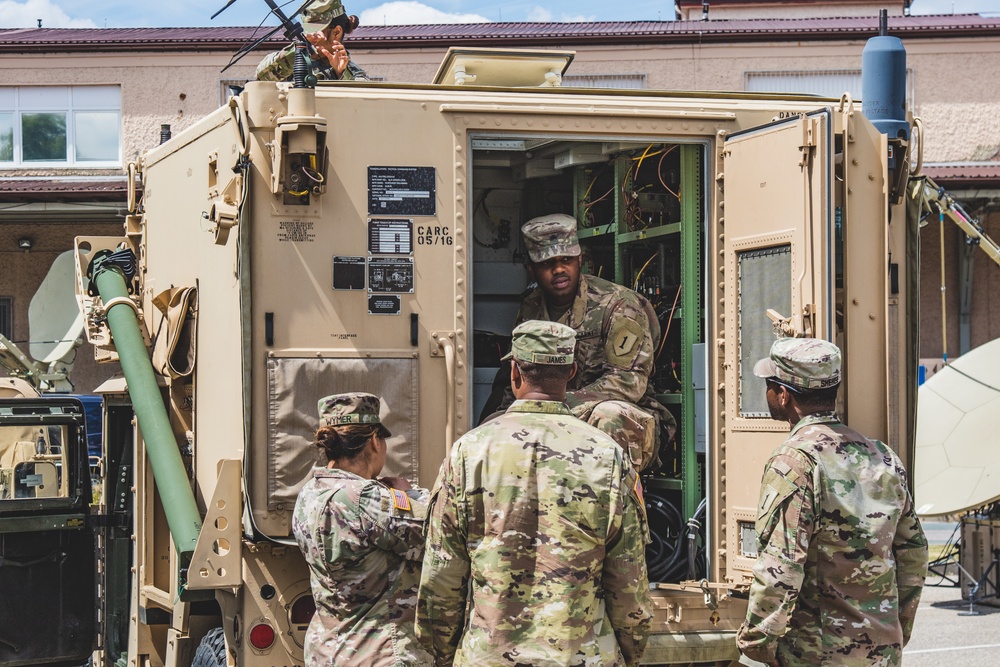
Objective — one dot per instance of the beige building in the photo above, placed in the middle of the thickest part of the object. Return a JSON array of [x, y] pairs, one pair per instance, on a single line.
[[107, 93], [76, 106]]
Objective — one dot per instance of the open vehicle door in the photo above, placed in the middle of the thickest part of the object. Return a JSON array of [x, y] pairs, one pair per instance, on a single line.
[[47, 590], [775, 263]]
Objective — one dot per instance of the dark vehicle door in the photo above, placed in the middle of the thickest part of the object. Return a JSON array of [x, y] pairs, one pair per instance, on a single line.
[[47, 568]]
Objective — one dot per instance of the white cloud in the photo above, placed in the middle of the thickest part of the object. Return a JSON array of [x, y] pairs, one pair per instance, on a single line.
[[26, 14], [409, 12], [542, 15]]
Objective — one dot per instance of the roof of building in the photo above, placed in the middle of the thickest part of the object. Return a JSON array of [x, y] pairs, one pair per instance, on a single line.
[[135, 39], [67, 188], [751, 3], [965, 175], [57, 40]]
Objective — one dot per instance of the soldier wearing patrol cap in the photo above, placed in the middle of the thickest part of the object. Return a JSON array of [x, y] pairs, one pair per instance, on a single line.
[[363, 541], [842, 556], [616, 332], [545, 514], [325, 23]]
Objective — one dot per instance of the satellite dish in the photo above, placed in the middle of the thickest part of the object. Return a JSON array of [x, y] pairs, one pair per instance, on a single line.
[[54, 318], [957, 459]]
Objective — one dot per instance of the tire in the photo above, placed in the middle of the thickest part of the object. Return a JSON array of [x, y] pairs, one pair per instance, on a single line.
[[211, 651]]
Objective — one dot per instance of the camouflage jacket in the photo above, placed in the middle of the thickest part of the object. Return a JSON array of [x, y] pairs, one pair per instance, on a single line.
[[277, 66], [842, 556], [544, 515], [616, 336], [364, 544]]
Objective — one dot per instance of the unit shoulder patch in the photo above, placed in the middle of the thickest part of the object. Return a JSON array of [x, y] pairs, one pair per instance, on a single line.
[[624, 342]]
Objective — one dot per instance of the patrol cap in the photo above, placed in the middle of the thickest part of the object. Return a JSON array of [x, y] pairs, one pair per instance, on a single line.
[[320, 13], [551, 236], [352, 408], [807, 363], [541, 342]]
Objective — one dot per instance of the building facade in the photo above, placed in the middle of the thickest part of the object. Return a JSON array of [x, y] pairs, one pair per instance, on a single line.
[[77, 105]]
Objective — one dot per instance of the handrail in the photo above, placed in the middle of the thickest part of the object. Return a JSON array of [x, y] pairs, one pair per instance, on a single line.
[[448, 347]]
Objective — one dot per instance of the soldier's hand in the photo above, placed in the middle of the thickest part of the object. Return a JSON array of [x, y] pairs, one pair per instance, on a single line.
[[331, 49], [400, 483]]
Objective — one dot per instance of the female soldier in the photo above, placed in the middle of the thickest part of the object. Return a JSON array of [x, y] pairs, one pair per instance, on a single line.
[[363, 541], [325, 23]]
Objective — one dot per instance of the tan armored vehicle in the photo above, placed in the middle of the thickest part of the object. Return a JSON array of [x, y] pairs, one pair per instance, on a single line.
[[365, 236]]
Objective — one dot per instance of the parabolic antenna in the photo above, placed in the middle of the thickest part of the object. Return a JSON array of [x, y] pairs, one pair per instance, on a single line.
[[54, 318], [957, 458]]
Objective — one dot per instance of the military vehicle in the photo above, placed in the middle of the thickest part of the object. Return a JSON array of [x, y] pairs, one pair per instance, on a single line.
[[364, 236]]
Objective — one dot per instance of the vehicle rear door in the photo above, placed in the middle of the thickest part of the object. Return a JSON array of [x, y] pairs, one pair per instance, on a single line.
[[775, 265]]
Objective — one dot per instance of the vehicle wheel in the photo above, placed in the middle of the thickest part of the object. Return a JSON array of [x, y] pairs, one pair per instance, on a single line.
[[212, 650]]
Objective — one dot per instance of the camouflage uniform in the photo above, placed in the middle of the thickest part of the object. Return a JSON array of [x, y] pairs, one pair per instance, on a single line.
[[278, 65], [544, 516], [363, 543], [842, 556], [615, 329], [616, 336]]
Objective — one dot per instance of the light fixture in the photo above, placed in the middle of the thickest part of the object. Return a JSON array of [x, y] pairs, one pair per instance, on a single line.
[[25, 243]]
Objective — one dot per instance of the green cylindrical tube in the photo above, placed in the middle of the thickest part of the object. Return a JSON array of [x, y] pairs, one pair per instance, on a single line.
[[172, 482]]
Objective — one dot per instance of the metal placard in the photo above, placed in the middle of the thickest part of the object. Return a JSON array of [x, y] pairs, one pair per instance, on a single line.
[[383, 304], [349, 273], [390, 274], [401, 191], [390, 236]]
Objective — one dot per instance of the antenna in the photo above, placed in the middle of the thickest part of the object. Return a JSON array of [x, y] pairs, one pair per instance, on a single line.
[[55, 328], [54, 318]]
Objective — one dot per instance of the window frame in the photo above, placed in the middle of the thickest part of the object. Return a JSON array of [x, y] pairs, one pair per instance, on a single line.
[[7, 316], [70, 109]]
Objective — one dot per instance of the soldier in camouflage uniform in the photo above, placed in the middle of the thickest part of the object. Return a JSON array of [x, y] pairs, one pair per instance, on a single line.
[[544, 515], [616, 335], [842, 556], [325, 23], [363, 541]]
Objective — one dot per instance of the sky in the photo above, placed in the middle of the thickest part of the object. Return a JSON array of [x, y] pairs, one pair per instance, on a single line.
[[183, 13]]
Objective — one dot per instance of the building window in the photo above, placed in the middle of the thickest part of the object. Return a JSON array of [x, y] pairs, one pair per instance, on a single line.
[[6, 316], [228, 88], [60, 126], [623, 81], [828, 83]]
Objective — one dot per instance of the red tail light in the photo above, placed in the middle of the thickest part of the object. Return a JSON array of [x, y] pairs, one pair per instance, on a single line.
[[261, 636]]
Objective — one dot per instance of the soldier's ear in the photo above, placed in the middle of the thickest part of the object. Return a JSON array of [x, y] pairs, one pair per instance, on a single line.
[[572, 371], [515, 374]]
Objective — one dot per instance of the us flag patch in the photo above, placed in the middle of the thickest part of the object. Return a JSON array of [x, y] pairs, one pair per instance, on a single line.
[[400, 500], [638, 490]]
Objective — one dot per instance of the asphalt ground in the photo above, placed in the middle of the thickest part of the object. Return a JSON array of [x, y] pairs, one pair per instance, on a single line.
[[943, 635]]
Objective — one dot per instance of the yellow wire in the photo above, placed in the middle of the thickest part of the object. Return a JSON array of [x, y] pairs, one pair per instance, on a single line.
[[639, 275]]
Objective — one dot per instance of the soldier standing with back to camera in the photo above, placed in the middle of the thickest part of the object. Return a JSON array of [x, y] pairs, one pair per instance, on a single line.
[[841, 554], [362, 538], [536, 532], [616, 334]]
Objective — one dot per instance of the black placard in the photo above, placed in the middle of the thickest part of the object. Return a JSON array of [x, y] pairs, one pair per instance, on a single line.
[[348, 273], [383, 304], [390, 274], [390, 236], [401, 191]]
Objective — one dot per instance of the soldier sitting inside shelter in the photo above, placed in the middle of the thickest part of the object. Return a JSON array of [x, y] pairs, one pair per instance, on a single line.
[[616, 329]]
